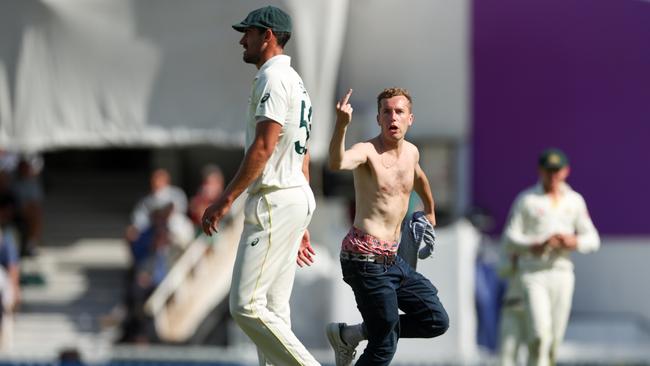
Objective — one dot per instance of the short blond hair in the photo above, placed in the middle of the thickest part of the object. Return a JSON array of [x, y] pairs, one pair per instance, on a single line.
[[393, 92]]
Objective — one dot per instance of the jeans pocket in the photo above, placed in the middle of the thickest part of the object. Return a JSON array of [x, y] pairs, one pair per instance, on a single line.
[[372, 269]]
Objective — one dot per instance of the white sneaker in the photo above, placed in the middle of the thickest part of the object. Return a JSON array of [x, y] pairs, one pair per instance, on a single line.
[[343, 352]]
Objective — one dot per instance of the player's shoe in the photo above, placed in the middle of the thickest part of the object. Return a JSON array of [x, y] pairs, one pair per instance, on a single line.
[[343, 353]]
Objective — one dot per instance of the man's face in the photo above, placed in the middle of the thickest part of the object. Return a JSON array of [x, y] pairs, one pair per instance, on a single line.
[[159, 180], [395, 117], [553, 178], [253, 42]]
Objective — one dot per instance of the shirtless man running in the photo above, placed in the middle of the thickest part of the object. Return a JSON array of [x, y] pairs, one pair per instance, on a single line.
[[386, 169]]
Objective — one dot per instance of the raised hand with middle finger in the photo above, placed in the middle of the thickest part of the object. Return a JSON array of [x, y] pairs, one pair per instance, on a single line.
[[344, 109]]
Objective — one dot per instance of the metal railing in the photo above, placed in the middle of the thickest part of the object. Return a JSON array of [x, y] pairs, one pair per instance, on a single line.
[[198, 281]]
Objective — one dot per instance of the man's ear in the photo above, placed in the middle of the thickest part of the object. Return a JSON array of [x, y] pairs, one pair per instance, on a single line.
[[268, 35]]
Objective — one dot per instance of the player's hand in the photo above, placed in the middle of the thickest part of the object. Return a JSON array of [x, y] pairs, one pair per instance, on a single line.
[[569, 241], [555, 241], [344, 110], [212, 216], [305, 252], [538, 249]]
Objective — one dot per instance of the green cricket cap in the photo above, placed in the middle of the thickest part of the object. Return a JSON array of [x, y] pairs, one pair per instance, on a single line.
[[552, 158], [268, 17]]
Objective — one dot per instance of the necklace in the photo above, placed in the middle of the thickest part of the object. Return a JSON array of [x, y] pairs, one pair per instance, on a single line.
[[385, 158]]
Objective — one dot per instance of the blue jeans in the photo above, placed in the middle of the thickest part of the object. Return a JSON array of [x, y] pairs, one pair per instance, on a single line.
[[381, 290]]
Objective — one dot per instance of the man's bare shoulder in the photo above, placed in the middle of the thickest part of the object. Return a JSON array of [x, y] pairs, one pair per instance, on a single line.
[[367, 146], [412, 149], [411, 146]]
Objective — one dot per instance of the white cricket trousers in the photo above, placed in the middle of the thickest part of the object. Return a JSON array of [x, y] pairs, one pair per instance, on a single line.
[[548, 295], [512, 326], [274, 223]]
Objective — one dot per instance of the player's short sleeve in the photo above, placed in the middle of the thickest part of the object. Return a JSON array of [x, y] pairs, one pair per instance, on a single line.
[[274, 101]]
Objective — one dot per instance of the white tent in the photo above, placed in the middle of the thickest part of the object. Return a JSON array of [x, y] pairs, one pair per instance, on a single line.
[[95, 73]]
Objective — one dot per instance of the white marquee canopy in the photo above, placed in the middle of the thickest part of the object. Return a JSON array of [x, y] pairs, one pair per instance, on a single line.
[[96, 73]]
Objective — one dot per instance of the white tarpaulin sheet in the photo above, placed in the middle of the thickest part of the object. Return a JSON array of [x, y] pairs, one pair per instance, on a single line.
[[94, 73]]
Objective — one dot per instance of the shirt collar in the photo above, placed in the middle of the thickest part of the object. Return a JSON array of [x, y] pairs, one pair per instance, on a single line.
[[275, 60], [564, 188]]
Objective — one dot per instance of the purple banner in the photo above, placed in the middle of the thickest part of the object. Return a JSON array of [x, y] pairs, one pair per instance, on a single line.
[[570, 74]]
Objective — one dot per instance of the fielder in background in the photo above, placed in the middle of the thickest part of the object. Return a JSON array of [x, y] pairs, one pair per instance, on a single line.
[[280, 202], [547, 222], [386, 170]]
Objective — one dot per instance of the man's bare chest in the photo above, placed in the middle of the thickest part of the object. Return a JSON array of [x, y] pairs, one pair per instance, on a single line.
[[394, 177]]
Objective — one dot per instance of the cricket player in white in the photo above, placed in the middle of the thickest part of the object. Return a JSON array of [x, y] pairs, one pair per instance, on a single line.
[[280, 202], [547, 222]]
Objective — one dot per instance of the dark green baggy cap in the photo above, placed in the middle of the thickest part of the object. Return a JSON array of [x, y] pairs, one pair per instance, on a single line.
[[552, 158], [268, 17]]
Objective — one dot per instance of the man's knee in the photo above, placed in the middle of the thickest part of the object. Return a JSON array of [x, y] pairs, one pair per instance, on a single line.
[[241, 314], [428, 328], [439, 326], [435, 326]]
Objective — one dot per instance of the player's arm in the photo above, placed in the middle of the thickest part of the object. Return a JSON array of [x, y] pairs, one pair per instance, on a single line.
[[267, 133], [305, 165], [306, 252], [423, 189], [586, 238], [515, 234], [339, 158]]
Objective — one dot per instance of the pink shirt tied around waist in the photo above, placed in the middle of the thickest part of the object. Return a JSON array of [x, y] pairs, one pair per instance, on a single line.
[[358, 241]]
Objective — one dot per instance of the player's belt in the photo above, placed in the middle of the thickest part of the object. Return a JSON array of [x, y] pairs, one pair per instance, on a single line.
[[376, 258]]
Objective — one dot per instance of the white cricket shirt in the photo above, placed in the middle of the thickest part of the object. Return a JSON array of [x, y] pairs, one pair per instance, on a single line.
[[278, 94], [535, 217]]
